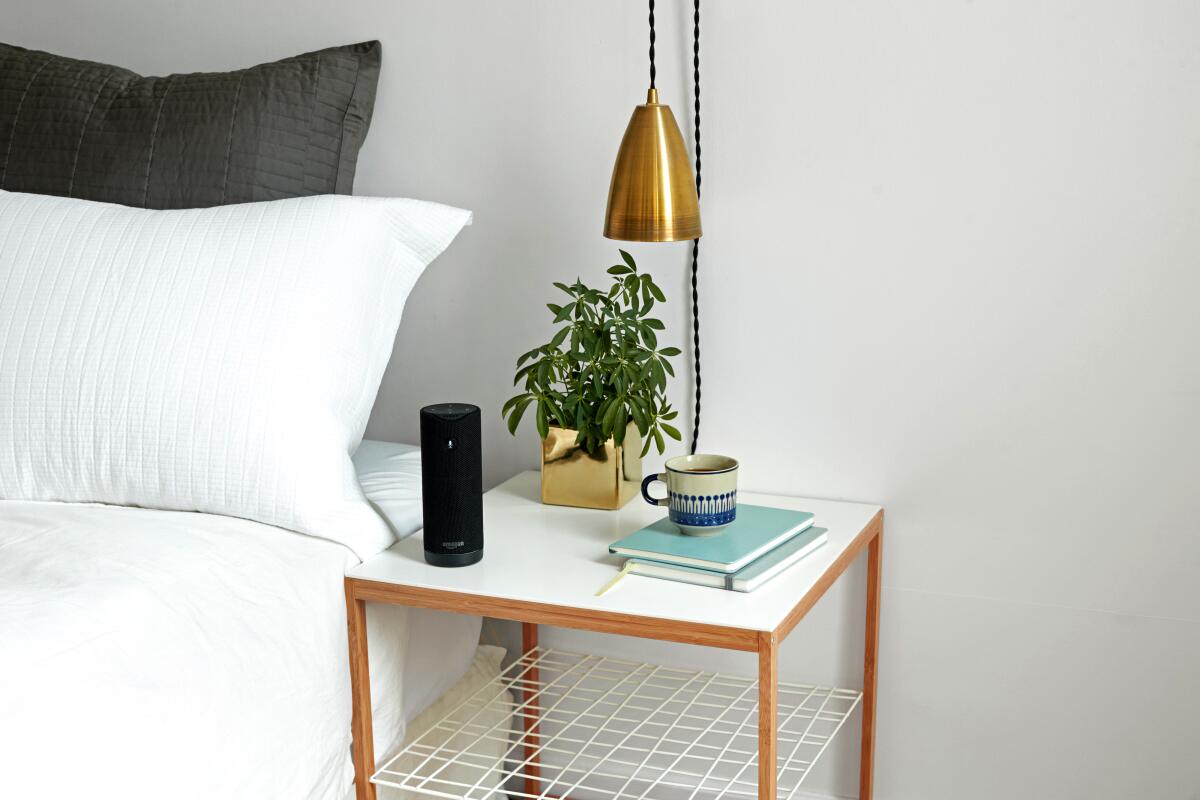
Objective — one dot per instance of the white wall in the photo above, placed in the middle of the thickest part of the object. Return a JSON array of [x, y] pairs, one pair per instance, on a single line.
[[951, 264]]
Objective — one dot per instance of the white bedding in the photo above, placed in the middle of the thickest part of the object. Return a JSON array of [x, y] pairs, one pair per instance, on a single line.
[[170, 654], [443, 644], [218, 359]]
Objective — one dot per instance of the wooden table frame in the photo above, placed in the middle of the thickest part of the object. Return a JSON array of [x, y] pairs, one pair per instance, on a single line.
[[359, 592]]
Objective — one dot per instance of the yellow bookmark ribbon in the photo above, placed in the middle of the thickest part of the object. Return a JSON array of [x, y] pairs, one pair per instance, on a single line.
[[616, 579]]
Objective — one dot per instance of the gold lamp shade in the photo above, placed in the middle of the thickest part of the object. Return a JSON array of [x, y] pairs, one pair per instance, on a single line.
[[652, 197]]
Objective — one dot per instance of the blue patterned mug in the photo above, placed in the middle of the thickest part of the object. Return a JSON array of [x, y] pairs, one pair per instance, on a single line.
[[701, 492]]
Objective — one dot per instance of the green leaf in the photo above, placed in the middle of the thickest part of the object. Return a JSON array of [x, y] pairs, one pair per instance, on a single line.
[[658, 440], [660, 377], [554, 413], [601, 370], [564, 312], [598, 424], [639, 418], [514, 419], [512, 401], [610, 417]]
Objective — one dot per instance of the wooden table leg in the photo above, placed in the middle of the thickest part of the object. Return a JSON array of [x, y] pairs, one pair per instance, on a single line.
[[533, 770], [362, 741], [866, 780], [768, 714]]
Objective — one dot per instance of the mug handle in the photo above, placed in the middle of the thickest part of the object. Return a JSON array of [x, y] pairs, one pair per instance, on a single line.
[[654, 501]]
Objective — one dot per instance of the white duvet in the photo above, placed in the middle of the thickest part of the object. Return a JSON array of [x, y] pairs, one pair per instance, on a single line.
[[178, 655]]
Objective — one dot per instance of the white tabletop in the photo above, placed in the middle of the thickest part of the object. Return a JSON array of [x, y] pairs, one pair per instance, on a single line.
[[559, 556]]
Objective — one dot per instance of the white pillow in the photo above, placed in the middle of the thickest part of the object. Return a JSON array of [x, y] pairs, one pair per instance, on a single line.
[[220, 359], [390, 476]]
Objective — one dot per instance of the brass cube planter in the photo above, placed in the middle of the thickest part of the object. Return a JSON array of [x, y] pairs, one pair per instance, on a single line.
[[609, 479]]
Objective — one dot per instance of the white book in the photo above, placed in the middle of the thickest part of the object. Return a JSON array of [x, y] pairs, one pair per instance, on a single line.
[[749, 577], [757, 531]]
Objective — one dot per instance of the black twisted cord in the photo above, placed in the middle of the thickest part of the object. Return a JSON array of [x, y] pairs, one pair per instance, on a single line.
[[696, 242], [652, 73]]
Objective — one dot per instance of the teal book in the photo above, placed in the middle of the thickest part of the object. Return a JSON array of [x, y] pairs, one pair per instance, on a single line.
[[756, 531], [746, 579]]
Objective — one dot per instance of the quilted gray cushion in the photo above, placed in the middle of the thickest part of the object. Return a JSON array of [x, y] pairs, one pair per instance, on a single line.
[[81, 129]]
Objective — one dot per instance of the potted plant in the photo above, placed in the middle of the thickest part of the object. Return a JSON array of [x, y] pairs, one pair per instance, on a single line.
[[597, 390]]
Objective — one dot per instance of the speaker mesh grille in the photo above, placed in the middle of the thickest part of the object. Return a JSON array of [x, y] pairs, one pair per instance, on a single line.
[[452, 478]]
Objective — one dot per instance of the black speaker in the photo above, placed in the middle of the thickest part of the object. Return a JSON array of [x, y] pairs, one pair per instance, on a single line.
[[452, 484]]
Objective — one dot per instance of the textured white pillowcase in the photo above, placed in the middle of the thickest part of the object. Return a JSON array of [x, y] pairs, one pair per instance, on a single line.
[[221, 360]]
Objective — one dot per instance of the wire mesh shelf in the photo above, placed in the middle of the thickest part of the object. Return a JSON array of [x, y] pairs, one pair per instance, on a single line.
[[599, 727]]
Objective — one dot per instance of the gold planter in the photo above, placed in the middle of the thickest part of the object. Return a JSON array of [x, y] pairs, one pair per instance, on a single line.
[[608, 479]]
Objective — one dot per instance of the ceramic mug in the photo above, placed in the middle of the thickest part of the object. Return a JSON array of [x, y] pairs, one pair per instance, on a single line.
[[701, 492]]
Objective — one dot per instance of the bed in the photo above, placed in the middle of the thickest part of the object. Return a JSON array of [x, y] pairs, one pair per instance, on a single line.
[[195, 317], [191, 655]]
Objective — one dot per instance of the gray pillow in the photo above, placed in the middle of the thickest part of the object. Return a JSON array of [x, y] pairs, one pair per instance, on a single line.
[[285, 129]]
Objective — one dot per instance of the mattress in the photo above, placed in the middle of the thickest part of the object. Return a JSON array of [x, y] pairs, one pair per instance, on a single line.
[[145, 649]]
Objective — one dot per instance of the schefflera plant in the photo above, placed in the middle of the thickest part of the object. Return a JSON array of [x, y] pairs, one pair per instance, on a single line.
[[603, 368]]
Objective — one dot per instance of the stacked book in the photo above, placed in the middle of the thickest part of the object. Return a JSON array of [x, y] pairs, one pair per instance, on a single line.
[[760, 544]]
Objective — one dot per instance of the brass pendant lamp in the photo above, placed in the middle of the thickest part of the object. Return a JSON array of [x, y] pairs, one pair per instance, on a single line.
[[653, 195]]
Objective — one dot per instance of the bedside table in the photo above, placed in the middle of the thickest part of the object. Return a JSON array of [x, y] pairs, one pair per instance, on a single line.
[[623, 728]]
